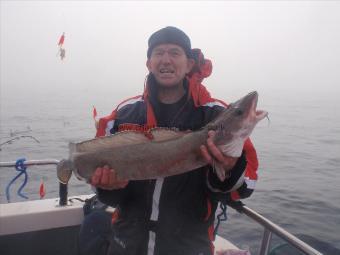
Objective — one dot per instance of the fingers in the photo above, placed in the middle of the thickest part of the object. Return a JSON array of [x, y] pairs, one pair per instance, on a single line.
[[212, 154], [112, 176], [106, 178], [95, 180], [214, 150], [206, 154]]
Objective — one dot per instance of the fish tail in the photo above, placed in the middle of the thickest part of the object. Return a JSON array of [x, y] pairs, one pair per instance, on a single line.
[[64, 171]]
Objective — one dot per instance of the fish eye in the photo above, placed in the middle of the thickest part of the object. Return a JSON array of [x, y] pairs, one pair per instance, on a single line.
[[238, 112]]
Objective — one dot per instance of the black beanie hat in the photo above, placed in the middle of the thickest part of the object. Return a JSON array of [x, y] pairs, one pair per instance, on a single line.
[[170, 35]]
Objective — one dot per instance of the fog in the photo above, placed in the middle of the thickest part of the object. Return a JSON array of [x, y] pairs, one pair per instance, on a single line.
[[254, 45]]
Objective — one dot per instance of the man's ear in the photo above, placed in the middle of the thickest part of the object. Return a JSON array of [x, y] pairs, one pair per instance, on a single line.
[[148, 65], [190, 65]]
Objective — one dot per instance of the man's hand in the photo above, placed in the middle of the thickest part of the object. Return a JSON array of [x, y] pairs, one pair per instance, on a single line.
[[214, 156], [106, 178]]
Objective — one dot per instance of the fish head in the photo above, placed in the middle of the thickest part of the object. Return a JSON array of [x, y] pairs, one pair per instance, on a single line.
[[235, 124]]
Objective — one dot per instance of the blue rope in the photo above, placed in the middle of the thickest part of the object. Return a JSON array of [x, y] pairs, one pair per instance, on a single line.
[[19, 166]]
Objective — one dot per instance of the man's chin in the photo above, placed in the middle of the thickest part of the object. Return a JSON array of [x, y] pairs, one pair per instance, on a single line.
[[167, 83]]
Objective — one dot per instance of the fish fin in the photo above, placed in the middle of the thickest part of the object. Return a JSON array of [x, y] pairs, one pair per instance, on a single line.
[[112, 141], [164, 134]]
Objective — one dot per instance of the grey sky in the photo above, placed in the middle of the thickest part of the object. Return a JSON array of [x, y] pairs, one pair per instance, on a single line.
[[254, 45]]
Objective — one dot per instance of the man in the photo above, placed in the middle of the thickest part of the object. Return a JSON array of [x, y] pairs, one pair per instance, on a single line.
[[172, 215]]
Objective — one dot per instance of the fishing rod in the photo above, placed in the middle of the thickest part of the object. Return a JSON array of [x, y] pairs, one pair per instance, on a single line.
[[18, 138]]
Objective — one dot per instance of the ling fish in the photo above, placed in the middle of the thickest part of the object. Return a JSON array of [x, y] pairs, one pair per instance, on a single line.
[[136, 157]]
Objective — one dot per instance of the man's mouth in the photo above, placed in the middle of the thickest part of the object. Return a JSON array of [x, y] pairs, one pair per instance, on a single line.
[[166, 70]]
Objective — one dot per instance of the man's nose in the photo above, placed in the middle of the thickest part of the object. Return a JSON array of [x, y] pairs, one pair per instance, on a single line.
[[166, 58]]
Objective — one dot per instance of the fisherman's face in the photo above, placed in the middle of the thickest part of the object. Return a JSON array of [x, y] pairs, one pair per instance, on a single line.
[[169, 64]]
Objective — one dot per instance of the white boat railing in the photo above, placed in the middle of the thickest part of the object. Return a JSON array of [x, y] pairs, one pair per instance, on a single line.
[[39, 162], [269, 226], [43, 162]]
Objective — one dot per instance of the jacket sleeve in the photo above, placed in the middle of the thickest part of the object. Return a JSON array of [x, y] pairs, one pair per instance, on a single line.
[[241, 182], [112, 197]]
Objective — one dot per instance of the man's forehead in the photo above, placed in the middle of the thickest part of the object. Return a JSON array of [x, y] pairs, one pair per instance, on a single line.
[[168, 46]]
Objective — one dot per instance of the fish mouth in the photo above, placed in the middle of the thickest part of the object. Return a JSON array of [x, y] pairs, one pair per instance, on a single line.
[[249, 104], [254, 97], [259, 114]]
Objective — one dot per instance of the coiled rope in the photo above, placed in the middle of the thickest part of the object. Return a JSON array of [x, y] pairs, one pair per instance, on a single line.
[[19, 166]]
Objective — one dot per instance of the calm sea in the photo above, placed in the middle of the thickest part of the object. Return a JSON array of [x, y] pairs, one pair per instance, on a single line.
[[298, 149]]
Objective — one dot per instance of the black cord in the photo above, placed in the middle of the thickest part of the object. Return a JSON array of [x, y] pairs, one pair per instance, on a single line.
[[221, 217]]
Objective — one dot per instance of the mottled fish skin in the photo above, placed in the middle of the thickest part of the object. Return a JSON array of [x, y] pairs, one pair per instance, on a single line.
[[147, 160], [136, 157]]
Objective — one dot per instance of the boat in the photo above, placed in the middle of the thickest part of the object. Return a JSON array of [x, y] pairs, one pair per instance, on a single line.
[[51, 226]]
